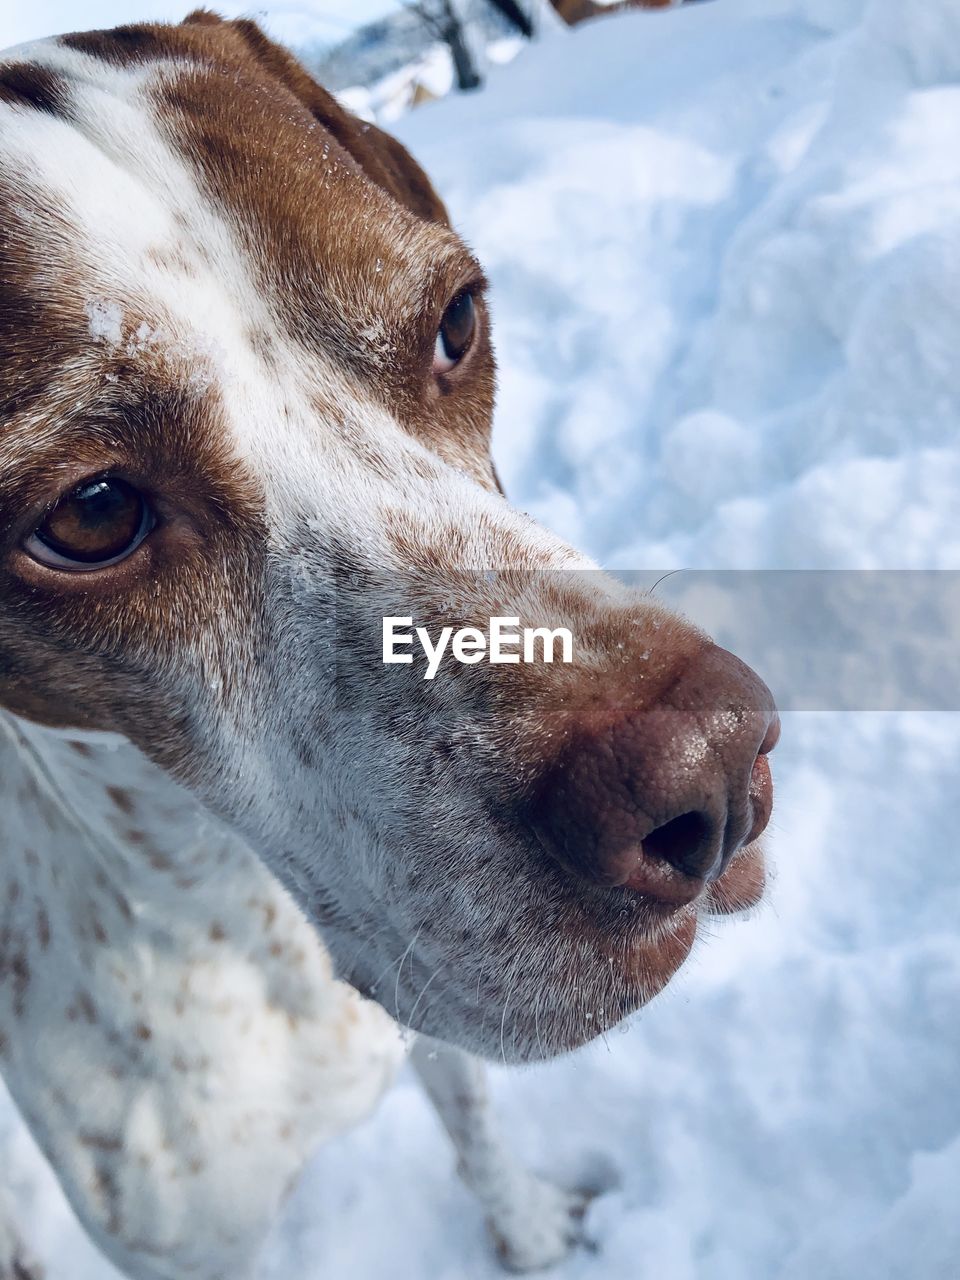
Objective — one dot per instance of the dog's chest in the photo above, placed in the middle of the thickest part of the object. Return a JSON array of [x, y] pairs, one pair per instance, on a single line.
[[169, 1024]]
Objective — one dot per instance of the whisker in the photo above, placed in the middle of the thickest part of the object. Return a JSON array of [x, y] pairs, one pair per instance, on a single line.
[[664, 577], [506, 1006], [536, 1025], [396, 991], [366, 942], [421, 995], [389, 965]]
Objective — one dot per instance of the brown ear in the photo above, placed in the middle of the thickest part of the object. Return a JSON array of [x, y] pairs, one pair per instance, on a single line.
[[381, 157]]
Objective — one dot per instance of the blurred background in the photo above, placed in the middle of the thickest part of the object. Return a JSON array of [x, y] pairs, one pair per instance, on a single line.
[[724, 246]]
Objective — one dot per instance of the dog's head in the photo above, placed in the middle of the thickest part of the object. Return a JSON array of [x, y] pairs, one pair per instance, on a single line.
[[246, 385]]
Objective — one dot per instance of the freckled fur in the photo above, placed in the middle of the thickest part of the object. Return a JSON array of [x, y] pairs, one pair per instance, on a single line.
[[217, 282]]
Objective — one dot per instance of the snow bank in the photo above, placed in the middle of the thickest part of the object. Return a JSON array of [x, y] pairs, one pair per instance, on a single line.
[[732, 242], [725, 250]]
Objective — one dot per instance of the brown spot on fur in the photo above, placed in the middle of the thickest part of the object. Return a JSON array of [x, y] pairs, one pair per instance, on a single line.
[[86, 1007], [261, 345], [123, 906], [100, 1141], [43, 927], [20, 969], [107, 1188], [122, 799], [172, 259]]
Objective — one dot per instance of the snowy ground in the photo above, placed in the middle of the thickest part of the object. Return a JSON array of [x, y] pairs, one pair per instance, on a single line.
[[725, 250]]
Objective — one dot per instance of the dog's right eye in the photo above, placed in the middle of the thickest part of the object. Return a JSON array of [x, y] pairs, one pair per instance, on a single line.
[[456, 332], [99, 524]]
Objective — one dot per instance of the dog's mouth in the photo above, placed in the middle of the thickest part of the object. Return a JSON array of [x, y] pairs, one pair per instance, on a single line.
[[565, 964], [630, 946]]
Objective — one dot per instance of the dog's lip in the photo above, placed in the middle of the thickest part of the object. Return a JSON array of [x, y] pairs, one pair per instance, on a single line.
[[665, 889], [761, 799], [771, 737], [741, 886]]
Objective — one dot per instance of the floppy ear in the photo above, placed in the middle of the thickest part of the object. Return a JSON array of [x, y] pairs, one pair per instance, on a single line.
[[381, 157]]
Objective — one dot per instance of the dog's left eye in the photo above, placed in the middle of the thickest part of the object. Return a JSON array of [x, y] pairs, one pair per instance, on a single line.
[[99, 524], [456, 332]]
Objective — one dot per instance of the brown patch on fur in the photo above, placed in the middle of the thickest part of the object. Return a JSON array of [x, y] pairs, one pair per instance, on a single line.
[[379, 155], [22, 84], [122, 46]]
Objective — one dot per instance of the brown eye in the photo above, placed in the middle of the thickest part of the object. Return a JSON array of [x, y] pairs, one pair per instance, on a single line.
[[456, 332], [100, 523]]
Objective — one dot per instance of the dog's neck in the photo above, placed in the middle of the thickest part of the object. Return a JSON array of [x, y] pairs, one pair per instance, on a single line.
[[101, 837], [161, 997], [114, 882]]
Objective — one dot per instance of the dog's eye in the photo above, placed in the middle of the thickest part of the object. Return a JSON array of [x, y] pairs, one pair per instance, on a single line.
[[100, 523], [456, 332]]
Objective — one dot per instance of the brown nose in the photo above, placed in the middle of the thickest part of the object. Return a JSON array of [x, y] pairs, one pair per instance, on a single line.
[[658, 799]]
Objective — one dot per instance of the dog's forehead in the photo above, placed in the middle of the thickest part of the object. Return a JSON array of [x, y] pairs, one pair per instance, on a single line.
[[185, 195]]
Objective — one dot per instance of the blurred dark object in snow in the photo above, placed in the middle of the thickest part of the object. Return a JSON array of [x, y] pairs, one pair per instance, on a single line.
[[392, 43]]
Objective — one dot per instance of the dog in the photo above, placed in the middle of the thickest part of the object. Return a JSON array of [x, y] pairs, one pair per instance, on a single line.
[[246, 387]]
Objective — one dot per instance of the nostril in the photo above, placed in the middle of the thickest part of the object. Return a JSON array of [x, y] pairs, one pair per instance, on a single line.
[[658, 798], [685, 842]]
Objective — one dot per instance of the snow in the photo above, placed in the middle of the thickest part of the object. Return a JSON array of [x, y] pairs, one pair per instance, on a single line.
[[105, 321], [725, 253]]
